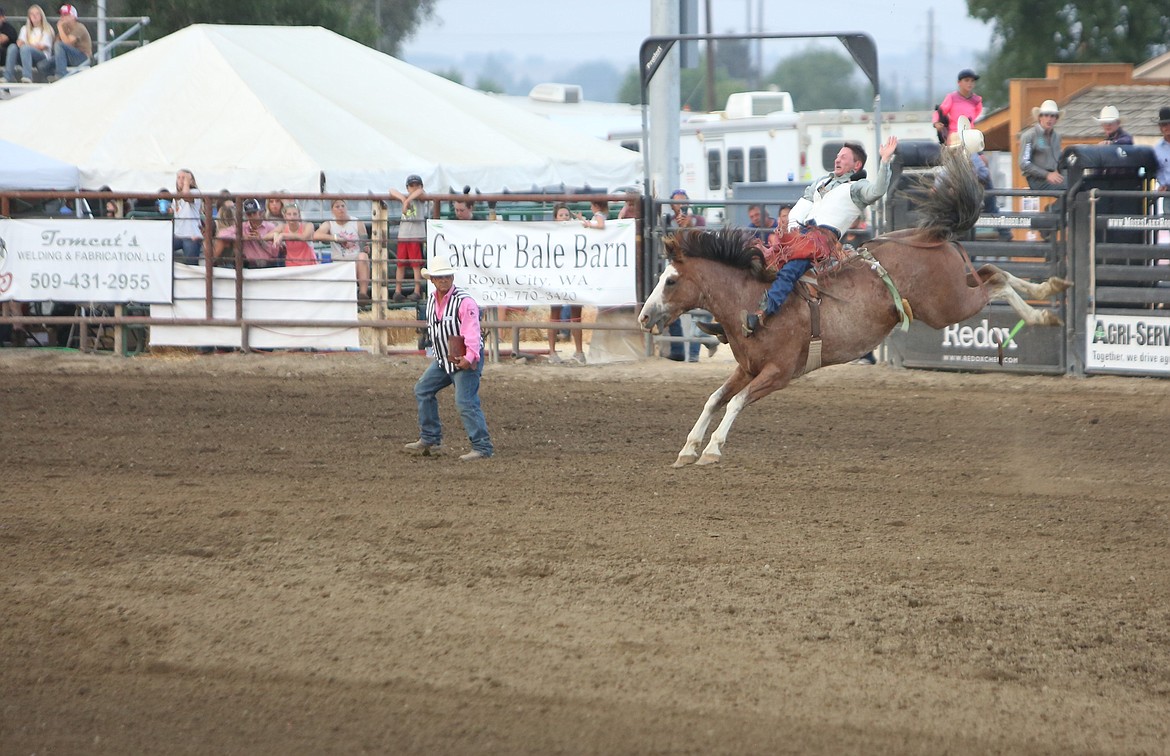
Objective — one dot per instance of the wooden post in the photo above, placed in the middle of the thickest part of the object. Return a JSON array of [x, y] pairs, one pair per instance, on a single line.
[[379, 270]]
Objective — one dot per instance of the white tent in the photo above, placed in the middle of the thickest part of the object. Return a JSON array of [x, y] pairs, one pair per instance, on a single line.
[[22, 168], [298, 109]]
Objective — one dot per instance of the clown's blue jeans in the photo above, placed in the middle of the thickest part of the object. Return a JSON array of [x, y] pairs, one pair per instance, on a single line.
[[434, 380]]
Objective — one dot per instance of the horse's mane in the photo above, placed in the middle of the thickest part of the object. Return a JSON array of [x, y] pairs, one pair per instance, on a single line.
[[735, 247], [950, 198]]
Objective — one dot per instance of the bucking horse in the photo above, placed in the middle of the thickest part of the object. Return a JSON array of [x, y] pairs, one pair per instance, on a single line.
[[921, 273]]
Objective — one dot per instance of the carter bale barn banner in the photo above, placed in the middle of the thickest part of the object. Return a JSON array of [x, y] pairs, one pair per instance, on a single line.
[[301, 293], [69, 260], [540, 263]]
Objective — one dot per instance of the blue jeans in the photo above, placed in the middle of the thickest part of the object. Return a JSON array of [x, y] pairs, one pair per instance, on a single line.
[[678, 352], [434, 380], [782, 286], [68, 55], [28, 55], [191, 249], [691, 352]]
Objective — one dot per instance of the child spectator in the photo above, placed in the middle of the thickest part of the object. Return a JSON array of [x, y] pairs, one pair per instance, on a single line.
[[412, 234], [557, 313], [293, 238]]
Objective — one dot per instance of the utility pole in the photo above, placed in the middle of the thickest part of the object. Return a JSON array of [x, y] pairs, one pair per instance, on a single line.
[[103, 53], [930, 56], [710, 62], [664, 106]]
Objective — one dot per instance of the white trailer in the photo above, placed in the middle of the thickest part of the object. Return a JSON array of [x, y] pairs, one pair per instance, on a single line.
[[822, 132], [760, 139]]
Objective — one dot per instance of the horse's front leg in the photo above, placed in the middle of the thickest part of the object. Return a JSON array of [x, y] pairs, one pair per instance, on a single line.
[[690, 451], [772, 379]]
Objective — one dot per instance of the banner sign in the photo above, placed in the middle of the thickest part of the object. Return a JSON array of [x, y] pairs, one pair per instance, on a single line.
[[1130, 343], [67, 260], [974, 344], [304, 293], [541, 263]]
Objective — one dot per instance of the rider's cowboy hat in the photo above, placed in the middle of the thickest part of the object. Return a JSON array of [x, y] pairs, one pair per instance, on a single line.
[[1109, 114], [1048, 107], [966, 137], [439, 270]]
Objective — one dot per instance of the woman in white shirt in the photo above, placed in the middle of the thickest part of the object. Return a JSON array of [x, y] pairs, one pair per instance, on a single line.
[[33, 45], [188, 217]]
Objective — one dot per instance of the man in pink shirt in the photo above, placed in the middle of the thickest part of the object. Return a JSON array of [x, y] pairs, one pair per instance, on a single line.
[[258, 252], [962, 102], [453, 325]]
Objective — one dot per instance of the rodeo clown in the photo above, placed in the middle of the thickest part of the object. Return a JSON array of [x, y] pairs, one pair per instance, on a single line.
[[817, 222], [456, 337]]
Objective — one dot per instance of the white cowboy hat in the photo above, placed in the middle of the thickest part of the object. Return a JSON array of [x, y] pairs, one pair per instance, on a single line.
[[1048, 107], [440, 269], [966, 137], [1109, 114]]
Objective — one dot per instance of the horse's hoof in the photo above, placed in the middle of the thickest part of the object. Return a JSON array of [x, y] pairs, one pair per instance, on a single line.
[[685, 459], [709, 459]]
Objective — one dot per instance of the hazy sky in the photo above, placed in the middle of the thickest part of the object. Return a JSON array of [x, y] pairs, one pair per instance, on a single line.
[[614, 29]]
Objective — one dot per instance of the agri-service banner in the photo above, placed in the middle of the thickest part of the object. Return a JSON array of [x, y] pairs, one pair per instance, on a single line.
[[539, 263], [69, 260], [1130, 343]]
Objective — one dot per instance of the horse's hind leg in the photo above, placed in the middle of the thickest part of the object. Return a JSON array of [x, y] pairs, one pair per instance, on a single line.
[[1003, 286], [690, 451]]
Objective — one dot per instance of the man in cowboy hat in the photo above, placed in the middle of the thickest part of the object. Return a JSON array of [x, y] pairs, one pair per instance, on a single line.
[[1162, 150], [1110, 120], [1040, 149], [453, 325]]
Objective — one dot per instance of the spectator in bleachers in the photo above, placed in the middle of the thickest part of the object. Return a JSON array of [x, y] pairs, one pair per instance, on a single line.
[[759, 219], [465, 211], [600, 210], [293, 238], [8, 35], [73, 47], [188, 239], [680, 215], [274, 210], [412, 235], [114, 208], [347, 241], [632, 207], [33, 45], [225, 212], [557, 313], [257, 252]]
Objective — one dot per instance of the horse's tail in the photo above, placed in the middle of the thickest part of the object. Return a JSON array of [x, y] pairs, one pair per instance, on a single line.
[[950, 199]]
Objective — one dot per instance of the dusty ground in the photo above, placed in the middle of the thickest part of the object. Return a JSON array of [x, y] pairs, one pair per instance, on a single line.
[[230, 554]]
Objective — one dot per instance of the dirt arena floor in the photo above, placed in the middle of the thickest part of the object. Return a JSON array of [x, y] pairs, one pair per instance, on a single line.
[[231, 554]]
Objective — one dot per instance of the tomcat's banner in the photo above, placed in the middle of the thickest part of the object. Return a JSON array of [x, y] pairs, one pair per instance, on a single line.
[[540, 263], [70, 260]]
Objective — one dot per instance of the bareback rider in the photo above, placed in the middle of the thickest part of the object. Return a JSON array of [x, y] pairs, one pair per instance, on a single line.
[[815, 224]]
